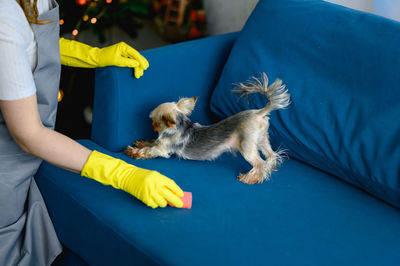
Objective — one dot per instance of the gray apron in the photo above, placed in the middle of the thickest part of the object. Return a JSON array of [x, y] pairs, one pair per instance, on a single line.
[[27, 236]]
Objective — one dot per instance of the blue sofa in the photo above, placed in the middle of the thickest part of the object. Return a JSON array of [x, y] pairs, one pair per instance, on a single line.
[[334, 201]]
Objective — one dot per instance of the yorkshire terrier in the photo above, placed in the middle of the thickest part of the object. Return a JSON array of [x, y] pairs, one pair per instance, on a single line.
[[246, 131]]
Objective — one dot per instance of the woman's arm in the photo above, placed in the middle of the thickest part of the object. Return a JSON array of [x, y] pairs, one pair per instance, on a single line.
[[23, 122]]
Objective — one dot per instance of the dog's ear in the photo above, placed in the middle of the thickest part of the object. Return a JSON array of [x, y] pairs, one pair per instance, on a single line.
[[186, 105], [168, 120]]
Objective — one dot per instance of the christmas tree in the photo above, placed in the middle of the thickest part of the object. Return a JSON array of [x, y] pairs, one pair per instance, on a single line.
[[98, 15], [180, 20], [177, 20]]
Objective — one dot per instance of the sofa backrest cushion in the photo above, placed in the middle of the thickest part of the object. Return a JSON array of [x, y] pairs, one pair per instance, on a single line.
[[341, 67]]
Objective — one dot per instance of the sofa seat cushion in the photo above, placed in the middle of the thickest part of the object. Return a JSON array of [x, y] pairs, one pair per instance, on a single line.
[[301, 216], [341, 69]]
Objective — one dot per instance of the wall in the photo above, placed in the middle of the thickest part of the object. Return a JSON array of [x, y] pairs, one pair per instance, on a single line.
[[363, 5], [225, 16], [388, 8]]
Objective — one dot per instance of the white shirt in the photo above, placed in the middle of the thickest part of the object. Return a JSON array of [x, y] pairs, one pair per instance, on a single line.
[[18, 50]]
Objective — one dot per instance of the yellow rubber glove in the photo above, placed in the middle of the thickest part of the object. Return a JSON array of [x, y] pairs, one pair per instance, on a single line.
[[77, 54], [152, 188]]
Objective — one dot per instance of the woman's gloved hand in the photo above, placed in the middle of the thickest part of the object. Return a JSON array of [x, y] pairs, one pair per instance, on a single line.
[[77, 54], [152, 188]]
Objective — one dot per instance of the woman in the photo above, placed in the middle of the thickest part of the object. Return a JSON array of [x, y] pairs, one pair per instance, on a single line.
[[29, 81]]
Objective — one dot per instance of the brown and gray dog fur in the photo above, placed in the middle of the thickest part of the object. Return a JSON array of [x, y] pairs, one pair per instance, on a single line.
[[246, 132]]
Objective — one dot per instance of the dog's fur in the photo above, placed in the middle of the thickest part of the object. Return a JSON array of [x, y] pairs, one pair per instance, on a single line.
[[246, 131]]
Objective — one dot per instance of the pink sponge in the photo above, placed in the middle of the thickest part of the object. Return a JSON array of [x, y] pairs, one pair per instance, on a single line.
[[187, 200]]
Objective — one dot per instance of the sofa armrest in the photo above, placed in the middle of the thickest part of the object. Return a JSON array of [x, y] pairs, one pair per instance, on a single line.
[[122, 104]]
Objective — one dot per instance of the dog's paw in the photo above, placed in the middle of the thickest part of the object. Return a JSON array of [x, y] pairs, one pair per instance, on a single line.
[[250, 178], [132, 152], [143, 143]]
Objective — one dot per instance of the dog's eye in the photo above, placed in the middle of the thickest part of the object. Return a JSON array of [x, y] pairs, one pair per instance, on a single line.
[[168, 120]]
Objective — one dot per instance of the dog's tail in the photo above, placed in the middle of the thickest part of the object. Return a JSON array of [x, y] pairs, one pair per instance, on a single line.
[[277, 94]]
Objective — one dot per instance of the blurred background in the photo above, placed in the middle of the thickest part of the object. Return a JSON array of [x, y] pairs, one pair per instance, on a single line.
[[147, 24]]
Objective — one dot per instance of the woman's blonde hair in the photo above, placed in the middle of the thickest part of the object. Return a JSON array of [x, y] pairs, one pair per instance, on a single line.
[[31, 12]]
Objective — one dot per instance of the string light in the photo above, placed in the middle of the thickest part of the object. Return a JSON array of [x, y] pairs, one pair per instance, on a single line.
[[93, 11], [60, 95], [82, 2]]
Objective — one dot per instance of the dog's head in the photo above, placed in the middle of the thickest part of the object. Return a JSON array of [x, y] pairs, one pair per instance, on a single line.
[[165, 115]]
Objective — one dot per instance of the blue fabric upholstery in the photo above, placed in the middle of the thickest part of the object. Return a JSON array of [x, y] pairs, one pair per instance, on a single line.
[[182, 70], [341, 68], [302, 216]]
